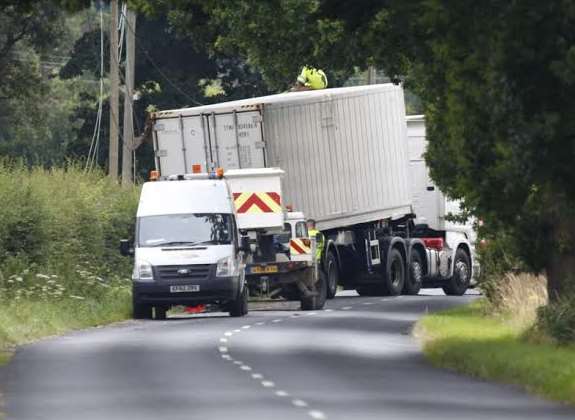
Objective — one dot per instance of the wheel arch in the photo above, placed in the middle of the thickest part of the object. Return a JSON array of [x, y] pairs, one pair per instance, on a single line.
[[417, 245]]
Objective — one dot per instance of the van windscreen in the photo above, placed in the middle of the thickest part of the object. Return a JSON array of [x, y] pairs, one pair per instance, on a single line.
[[185, 229]]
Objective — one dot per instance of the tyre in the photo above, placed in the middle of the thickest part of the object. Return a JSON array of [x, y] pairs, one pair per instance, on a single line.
[[239, 307], [414, 280], [332, 273], [459, 283], [395, 274], [140, 310], [160, 313], [317, 302]]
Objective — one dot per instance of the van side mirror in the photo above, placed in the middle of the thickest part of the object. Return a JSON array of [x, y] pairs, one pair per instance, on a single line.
[[126, 248], [245, 244]]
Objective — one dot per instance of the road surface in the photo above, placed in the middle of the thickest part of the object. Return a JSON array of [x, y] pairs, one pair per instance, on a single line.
[[355, 360]]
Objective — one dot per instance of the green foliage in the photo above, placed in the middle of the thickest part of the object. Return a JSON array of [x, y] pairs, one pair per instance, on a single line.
[[62, 229], [558, 320], [465, 339]]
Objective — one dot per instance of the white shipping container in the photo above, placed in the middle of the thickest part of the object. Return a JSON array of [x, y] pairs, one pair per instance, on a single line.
[[343, 150]]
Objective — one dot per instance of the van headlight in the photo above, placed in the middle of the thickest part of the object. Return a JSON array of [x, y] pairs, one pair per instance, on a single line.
[[143, 271], [227, 267]]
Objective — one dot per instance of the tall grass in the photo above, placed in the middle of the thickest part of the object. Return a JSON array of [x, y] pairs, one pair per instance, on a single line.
[[59, 237]]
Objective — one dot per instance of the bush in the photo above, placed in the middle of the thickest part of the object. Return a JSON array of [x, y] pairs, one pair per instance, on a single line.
[[558, 320], [60, 231]]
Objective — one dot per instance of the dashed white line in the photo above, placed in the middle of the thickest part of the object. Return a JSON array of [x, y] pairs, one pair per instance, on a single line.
[[260, 323], [368, 303], [223, 349], [346, 308], [237, 331], [257, 375], [245, 327], [315, 414], [276, 321], [226, 357], [223, 340], [228, 333], [312, 313], [246, 368], [237, 362], [268, 384], [299, 403], [328, 310], [282, 393]]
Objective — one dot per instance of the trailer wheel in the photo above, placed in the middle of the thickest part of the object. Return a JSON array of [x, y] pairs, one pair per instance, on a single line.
[[140, 310], [459, 282], [332, 275], [395, 275], [414, 280], [317, 302], [239, 307]]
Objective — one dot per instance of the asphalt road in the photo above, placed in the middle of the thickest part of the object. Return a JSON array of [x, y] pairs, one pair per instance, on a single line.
[[355, 360]]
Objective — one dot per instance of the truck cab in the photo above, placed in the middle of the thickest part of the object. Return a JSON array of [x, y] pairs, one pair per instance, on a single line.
[[186, 250]]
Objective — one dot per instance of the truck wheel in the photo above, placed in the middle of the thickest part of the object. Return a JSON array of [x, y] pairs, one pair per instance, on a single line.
[[239, 307], [395, 275], [317, 302], [414, 280], [332, 275], [160, 313], [459, 282], [140, 310]]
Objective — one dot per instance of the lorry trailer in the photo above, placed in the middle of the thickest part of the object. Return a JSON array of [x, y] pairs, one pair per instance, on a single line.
[[346, 160]]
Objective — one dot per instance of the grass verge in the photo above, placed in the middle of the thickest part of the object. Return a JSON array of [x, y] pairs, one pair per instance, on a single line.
[[26, 321], [467, 340]]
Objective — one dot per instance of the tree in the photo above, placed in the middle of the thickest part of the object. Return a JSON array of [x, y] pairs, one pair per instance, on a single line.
[[497, 80]]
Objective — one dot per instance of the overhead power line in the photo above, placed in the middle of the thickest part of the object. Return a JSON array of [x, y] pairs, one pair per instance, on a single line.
[[158, 69]]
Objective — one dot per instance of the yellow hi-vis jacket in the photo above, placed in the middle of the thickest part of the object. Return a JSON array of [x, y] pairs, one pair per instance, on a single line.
[[312, 78], [314, 233]]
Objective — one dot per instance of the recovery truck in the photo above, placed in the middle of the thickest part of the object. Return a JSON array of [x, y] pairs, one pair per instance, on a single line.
[[346, 159], [210, 238]]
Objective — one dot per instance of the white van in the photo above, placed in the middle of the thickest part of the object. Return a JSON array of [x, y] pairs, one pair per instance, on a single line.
[[186, 248]]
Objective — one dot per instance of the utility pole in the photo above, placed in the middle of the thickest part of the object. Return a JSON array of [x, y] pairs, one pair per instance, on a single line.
[[371, 75], [128, 136], [114, 91]]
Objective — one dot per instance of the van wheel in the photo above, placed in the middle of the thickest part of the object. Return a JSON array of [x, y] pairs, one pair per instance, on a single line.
[[239, 307], [414, 280], [140, 310], [317, 302], [332, 272], [395, 274], [459, 282]]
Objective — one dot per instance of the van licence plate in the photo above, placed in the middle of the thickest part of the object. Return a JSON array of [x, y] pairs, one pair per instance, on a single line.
[[264, 270], [185, 288]]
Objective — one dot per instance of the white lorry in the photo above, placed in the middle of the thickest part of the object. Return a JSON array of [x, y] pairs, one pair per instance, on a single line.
[[347, 166], [209, 238]]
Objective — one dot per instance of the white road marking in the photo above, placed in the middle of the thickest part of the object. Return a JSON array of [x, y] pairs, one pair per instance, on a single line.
[[228, 333], [328, 310], [246, 368], [312, 313], [299, 403], [268, 384], [245, 327], [223, 349], [282, 393], [257, 375], [237, 362], [260, 323], [223, 340], [226, 357], [237, 331], [346, 308], [277, 320], [314, 414], [368, 303]]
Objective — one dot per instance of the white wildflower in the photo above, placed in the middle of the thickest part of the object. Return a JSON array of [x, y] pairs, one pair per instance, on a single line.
[[42, 276], [77, 297]]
